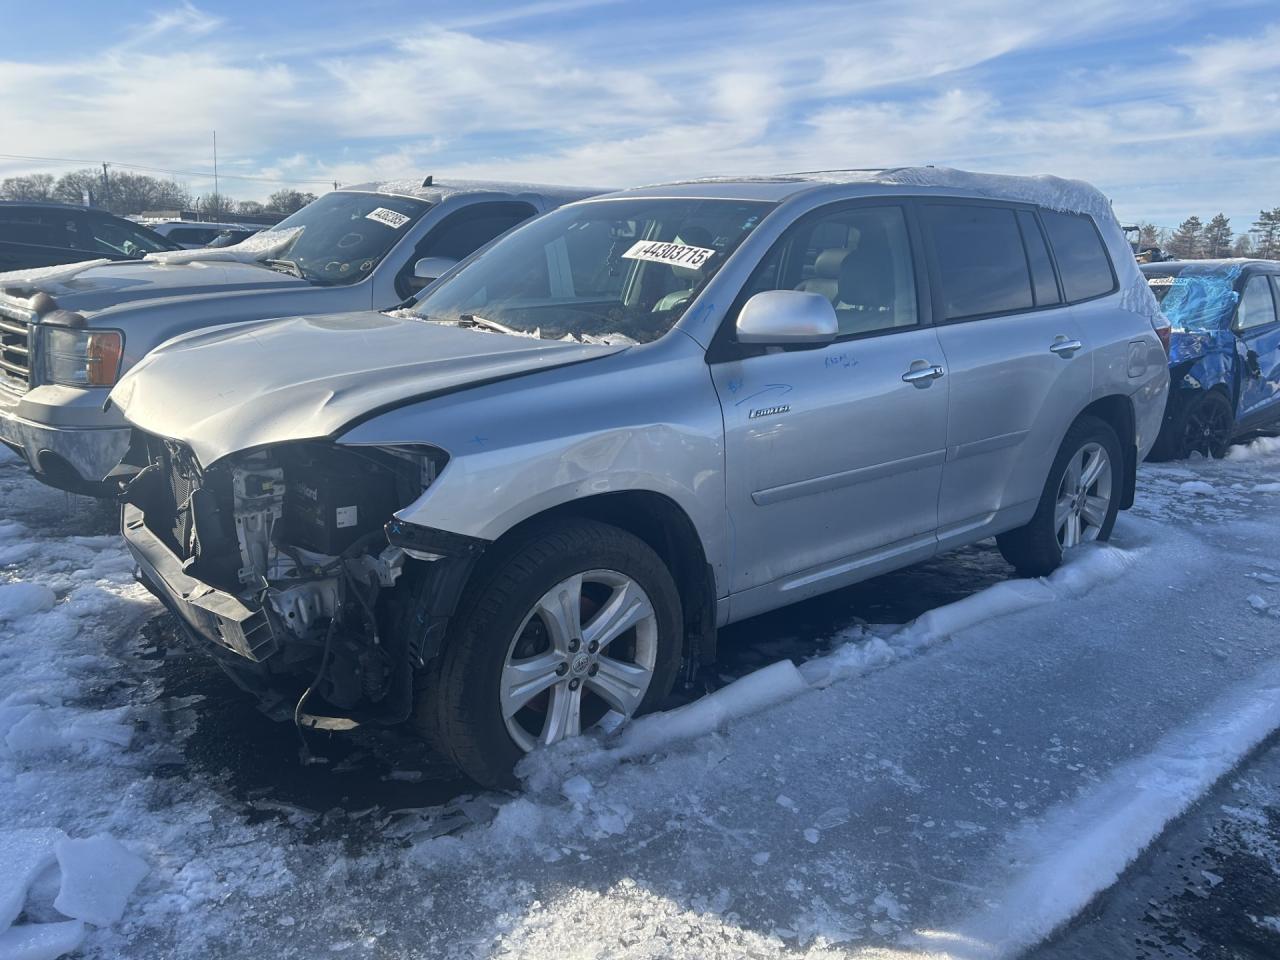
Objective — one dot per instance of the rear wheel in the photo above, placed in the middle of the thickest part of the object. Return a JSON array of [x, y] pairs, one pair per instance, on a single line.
[[1203, 424], [573, 624], [1079, 504]]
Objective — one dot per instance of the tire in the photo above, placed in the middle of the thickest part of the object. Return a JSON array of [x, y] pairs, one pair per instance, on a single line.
[[1202, 422], [514, 632], [1035, 550]]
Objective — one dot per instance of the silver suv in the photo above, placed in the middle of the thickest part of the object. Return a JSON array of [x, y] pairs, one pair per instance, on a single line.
[[511, 513], [68, 332]]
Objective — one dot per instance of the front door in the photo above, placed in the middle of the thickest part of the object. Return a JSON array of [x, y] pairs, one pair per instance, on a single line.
[[1259, 332], [836, 453]]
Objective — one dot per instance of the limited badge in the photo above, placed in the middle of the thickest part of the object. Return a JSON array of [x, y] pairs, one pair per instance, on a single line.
[[672, 254], [387, 217]]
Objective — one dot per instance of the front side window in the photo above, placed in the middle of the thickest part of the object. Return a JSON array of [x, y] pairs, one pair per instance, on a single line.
[[1257, 308], [463, 233], [859, 258], [606, 271], [982, 267], [41, 227], [1082, 259], [344, 234]]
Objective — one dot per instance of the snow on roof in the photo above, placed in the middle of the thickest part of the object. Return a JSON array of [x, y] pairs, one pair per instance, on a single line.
[[439, 191], [1054, 193]]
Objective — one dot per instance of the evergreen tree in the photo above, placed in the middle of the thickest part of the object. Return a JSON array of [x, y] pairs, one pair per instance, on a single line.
[[1266, 234], [1187, 241], [1217, 237]]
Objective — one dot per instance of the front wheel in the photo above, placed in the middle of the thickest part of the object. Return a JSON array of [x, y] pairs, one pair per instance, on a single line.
[[1079, 503], [572, 624], [1202, 423]]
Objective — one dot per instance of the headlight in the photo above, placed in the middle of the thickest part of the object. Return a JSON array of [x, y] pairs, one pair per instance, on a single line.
[[82, 358]]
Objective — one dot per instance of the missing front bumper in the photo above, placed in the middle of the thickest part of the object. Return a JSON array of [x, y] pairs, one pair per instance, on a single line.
[[219, 617]]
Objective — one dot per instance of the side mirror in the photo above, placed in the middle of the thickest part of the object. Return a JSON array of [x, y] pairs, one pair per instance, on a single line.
[[431, 268], [787, 318]]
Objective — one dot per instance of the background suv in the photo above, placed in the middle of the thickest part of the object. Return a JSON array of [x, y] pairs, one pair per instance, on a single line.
[[511, 513], [1224, 351], [39, 234], [66, 337]]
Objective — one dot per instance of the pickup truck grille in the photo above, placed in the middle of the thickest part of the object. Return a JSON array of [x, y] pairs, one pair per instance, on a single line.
[[15, 352]]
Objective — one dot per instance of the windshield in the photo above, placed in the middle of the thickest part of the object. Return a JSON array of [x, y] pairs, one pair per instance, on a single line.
[[345, 234], [1197, 299], [610, 271]]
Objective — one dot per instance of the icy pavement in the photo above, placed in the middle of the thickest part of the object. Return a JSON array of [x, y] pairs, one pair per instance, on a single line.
[[957, 786]]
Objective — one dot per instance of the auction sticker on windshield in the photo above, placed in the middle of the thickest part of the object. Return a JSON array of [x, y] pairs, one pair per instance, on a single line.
[[388, 217], [675, 254]]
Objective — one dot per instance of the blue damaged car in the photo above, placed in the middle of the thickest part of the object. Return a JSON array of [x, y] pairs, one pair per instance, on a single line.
[[1224, 352]]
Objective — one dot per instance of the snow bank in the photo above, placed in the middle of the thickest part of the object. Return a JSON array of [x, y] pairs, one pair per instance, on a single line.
[[1259, 449], [754, 692], [260, 246], [1079, 849], [1084, 568]]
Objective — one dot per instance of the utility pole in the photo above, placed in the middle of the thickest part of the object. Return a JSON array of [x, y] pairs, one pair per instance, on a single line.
[[216, 192], [106, 185]]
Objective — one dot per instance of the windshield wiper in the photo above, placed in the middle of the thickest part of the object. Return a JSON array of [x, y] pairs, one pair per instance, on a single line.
[[285, 266], [473, 320]]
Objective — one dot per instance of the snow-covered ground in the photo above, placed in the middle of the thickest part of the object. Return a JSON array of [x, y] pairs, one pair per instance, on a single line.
[[959, 785]]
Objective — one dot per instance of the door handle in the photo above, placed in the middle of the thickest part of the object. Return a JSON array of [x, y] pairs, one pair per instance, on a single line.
[[923, 373], [1065, 348]]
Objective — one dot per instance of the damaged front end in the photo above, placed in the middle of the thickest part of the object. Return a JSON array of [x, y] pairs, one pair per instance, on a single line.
[[280, 559]]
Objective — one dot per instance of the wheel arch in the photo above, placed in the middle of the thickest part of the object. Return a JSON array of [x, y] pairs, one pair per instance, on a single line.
[[668, 530], [1117, 411]]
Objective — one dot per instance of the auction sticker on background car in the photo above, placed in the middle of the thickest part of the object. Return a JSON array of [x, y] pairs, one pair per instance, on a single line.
[[388, 217]]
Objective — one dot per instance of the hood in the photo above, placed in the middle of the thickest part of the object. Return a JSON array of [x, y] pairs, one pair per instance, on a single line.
[[104, 285], [234, 388]]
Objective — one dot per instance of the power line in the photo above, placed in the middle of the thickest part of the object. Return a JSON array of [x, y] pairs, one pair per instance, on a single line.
[[176, 173]]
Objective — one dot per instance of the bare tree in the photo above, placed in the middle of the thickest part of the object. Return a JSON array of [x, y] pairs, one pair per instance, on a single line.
[[288, 201], [37, 186]]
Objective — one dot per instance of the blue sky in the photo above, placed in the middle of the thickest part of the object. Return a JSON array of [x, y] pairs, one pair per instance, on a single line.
[[1170, 108]]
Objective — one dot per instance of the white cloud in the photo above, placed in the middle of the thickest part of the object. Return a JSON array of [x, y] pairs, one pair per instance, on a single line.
[[623, 97]]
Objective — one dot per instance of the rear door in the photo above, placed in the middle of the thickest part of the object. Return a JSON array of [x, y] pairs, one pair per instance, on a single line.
[[834, 453], [1017, 360], [1259, 332]]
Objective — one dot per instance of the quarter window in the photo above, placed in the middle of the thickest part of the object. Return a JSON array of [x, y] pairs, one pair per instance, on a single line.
[[982, 266], [1257, 308], [858, 258], [1082, 259], [1042, 278]]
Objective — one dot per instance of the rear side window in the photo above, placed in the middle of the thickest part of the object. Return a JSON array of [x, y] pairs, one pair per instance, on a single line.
[[981, 263], [1082, 259], [1257, 308]]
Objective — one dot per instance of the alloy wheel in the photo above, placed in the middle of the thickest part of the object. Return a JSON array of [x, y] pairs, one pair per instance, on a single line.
[[1207, 429], [1084, 496], [587, 648]]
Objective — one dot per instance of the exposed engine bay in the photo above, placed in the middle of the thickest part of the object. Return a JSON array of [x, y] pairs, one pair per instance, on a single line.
[[295, 535]]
